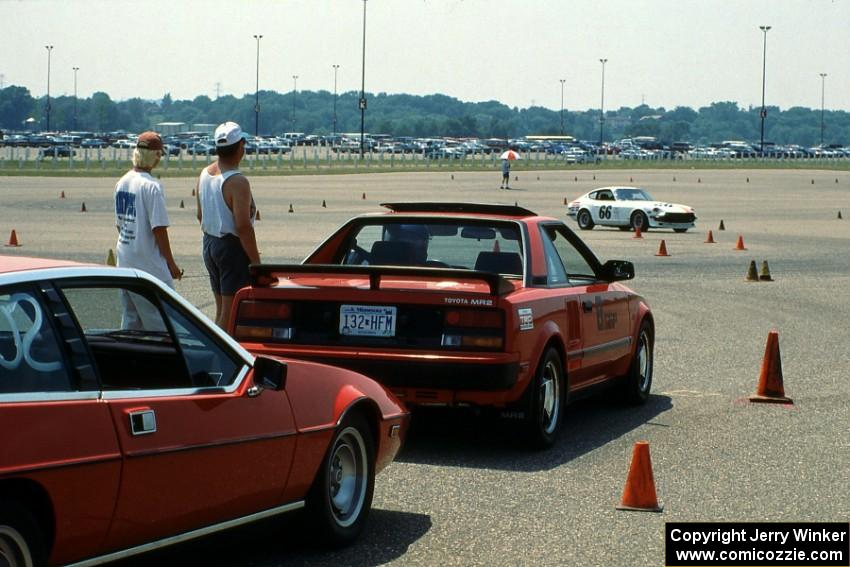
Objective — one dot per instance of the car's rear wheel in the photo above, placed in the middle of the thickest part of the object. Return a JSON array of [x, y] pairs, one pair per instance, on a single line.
[[680, 230], [341, 496], [585, 220], [21, 540], [547, 402], [635, 385], [639, 220]]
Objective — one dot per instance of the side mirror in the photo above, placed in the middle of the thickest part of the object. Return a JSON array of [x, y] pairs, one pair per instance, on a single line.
[[269, 373], [617, 270]]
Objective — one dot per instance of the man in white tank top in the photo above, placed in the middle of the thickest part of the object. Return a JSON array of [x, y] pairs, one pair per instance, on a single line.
[[226, 211]]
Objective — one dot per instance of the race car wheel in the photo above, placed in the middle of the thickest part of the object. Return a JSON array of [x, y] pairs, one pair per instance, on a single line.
[[547, 402], [585, 220], [21, 540], [680, 230], [637, 383], [639, 220], [341, 496]]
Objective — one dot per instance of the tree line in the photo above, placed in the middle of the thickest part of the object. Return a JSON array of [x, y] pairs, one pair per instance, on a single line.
[[421, 116]]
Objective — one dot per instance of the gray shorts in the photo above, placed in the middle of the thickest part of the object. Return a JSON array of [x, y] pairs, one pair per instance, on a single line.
[[226, 263]]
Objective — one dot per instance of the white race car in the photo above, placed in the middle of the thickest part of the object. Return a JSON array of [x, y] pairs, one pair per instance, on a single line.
[[628, 208]]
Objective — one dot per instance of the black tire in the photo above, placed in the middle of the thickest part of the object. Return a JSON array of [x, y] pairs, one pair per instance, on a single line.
[[21, 540], [546, 402], [639, 219], [635, 386], [585, 220], [341, 496], [680, 230]]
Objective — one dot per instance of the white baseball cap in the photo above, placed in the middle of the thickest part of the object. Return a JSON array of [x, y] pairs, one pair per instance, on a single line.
[[228, 134]]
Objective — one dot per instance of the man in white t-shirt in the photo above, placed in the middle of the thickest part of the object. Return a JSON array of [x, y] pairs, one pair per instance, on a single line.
[[142, 222]]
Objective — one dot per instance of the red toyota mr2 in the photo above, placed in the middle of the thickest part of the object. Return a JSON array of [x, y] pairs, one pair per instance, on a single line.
[[459, 304], [129, 422]]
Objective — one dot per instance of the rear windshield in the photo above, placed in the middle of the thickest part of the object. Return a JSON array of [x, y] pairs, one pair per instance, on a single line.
[[489, 247]]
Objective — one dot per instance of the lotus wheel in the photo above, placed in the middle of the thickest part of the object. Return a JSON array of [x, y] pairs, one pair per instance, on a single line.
[[341, 497], [585, 220], [637, 383], [21, 542], [639, 220], [547, 401]]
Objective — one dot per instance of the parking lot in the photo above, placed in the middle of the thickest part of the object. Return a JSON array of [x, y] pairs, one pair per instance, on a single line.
[[463, 491]]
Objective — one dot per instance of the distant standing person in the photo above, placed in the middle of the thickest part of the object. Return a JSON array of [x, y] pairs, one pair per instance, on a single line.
[[142, 222], [226, 212], [506, 174]]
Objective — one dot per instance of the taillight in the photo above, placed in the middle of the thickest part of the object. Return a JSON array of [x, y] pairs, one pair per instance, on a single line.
[[264, 320], [473, 329]]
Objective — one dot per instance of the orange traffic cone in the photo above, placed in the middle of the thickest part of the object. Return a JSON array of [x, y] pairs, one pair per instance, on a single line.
[[258, 214], [770, 388], [662, 249], [764, 275], [496, 247], [638, 233], [62, 195], [639, 493], [722, 226], [83, 207], [710, 239], [740, 244], [565, 202], [364, 196], [13, 239]]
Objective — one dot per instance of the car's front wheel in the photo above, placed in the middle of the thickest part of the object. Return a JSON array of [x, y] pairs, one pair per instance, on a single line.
[[640, 221], [341, 496], [585, 220], [635, 385], [547, 402], [21, 540]]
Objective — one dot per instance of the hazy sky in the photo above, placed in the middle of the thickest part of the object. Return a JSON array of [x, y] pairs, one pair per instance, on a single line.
[[666, 52]]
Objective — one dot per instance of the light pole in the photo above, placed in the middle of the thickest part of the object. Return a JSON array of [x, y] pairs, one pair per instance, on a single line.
[[562, 106], [294, 90], [602, 105], [336, 68], [257, 91], [49, 49], [75, 96], [363, 87], [822, 81], [764, 29]]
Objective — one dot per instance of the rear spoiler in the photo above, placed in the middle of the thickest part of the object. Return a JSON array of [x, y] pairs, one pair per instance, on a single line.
[[261, 273]]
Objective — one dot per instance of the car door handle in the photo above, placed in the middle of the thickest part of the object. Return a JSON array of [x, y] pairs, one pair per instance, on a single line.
[[587, 306], [142, 422]]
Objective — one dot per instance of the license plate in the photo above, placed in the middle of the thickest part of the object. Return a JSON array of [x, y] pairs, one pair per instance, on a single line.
[[367, 320]]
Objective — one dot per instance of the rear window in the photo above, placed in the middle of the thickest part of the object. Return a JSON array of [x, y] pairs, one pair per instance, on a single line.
[[489, 247]]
